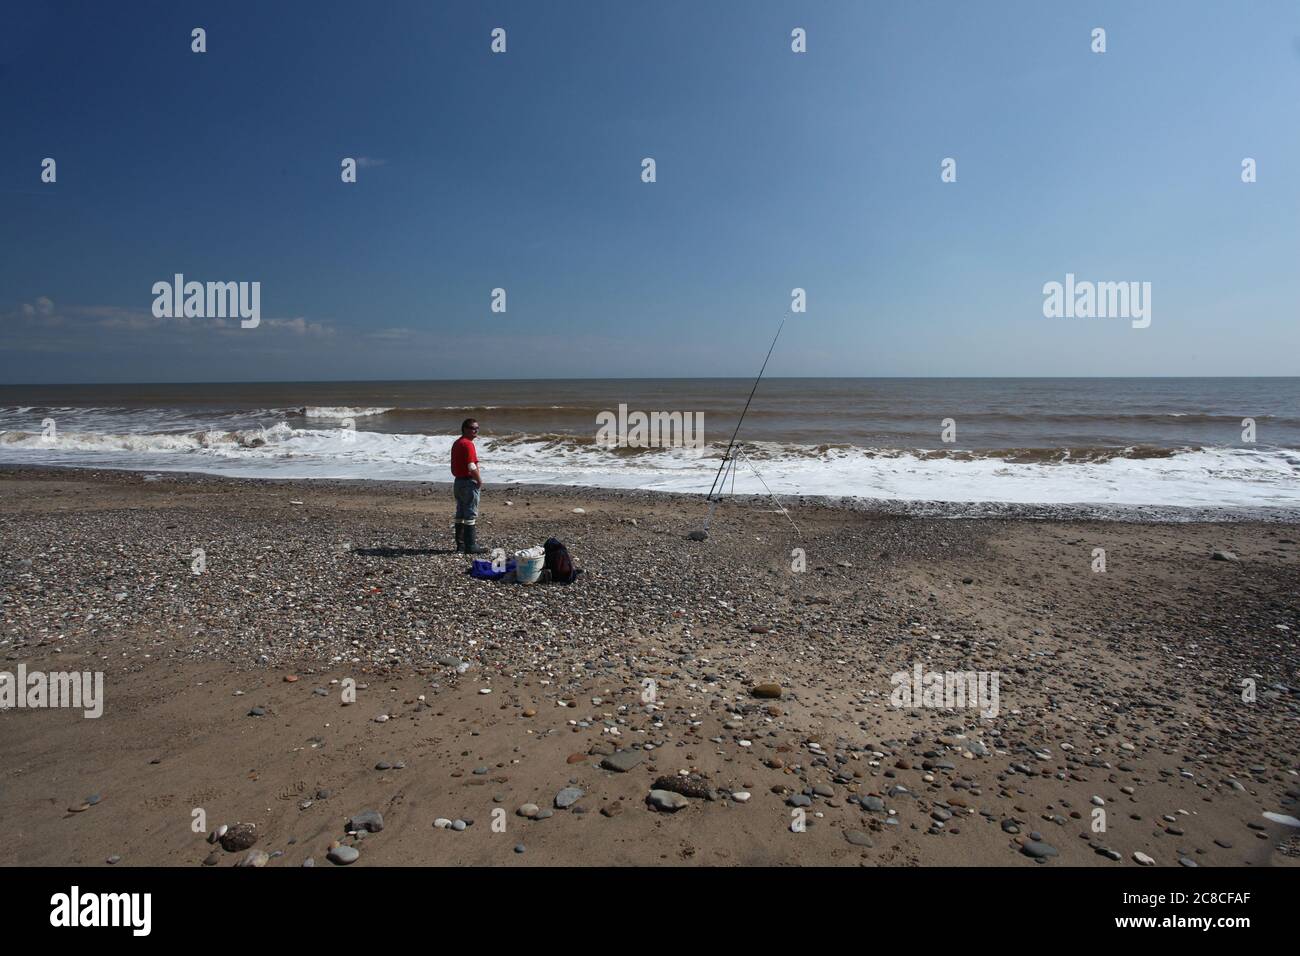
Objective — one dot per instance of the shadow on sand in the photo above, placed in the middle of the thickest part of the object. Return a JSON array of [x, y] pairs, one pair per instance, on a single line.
[[401, 552]]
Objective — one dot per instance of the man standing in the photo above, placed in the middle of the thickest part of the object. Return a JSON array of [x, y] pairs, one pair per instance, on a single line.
[[468, 484]]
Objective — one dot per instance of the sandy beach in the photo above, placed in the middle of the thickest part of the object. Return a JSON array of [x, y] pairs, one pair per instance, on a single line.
[[541, 717]]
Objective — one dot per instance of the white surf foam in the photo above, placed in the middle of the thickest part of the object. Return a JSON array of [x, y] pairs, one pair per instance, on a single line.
[[343, 411], [1213, 477]]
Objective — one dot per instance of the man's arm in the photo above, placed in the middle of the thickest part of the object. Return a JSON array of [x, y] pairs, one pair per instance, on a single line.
[[474, 473]]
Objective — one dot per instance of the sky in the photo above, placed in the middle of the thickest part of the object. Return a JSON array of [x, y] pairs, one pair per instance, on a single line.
[[522, 171]]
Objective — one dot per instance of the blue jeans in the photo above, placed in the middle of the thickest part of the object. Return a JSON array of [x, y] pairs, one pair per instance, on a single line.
[[466, 500]]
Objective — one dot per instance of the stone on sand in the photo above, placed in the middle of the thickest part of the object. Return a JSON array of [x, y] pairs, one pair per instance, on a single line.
[[622, 761], [343, 855], [369, 820], [667, 800]]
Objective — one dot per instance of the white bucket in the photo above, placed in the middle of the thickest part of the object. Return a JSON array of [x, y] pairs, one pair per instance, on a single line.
[[528, 564]]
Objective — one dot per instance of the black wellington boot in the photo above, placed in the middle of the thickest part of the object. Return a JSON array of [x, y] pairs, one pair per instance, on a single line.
[[460, 537], [471, 542]]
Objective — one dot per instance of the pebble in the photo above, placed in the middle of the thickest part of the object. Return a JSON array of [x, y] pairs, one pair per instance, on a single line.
[[568, 797], [1143, 859], [239, 837], [255, 858], [1038, 850], [343, 855], [667, 801], [622, 761], [688, 785], [370, 820]]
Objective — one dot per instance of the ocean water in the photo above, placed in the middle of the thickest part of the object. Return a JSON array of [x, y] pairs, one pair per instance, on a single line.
[[1164, 442]]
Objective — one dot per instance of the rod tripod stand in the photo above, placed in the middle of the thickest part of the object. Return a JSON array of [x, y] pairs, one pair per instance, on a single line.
[[737, 454]]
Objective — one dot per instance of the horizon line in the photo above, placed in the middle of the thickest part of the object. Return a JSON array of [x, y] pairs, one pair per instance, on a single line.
[[637, 378]]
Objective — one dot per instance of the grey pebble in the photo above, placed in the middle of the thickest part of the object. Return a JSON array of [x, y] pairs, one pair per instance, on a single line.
[[623, 761], [568, 797], [343, 855], [667, 801], [858, 838], [371, 820], [1038, 850]]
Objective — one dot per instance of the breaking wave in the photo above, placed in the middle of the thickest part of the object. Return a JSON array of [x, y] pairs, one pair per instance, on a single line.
[[1131, 475], [341, 411]]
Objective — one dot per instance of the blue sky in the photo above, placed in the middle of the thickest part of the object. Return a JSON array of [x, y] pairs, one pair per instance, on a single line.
[[522, 171]]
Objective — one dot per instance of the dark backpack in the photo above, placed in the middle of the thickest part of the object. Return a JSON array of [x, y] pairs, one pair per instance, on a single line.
[[558, 562]]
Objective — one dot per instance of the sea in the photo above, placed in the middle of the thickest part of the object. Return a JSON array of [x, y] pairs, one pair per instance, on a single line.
[[1180, 442]]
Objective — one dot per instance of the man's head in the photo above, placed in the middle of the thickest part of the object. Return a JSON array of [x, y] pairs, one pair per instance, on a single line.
[[469, 428]]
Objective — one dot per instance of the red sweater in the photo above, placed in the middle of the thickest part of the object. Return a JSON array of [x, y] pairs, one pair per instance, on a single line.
[[462, 453]]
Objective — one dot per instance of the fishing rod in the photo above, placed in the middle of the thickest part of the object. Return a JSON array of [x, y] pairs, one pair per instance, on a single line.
[[703, 533], [726, 456]]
